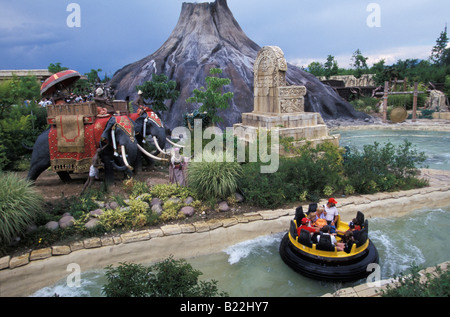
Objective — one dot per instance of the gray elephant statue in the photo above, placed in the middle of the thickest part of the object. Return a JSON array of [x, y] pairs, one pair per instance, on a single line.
[[149, 125], [71, 150]]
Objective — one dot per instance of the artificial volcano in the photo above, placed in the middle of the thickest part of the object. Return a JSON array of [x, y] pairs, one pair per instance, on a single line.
[[207, 35]]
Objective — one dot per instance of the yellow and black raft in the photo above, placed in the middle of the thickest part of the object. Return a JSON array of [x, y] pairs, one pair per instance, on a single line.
[[322, 260]]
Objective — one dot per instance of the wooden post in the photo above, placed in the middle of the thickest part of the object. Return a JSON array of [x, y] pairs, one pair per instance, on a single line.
[[414, 116], [385, 101]]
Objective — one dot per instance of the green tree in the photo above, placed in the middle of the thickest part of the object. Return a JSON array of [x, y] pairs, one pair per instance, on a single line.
[[158, 90], [359, 63], [212, 98], [169, 278], [439, 51], [56, 68], [331, 67], [316, 69]]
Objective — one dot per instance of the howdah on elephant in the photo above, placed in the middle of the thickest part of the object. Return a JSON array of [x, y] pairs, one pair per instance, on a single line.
[[69, 145]]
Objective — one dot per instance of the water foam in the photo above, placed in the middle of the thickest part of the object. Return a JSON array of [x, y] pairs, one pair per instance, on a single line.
[[242, 250]]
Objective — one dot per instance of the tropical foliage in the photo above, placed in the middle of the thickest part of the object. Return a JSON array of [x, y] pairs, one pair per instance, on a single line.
[[169, 278]]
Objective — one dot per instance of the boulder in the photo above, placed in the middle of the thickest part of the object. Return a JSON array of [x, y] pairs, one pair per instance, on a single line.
[[92, 223], [52, 225], [66, 221], [188, 211], [223, 206], [157, 209]]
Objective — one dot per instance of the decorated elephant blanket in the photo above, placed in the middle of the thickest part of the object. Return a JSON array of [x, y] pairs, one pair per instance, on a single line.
[[79, 161], [70, 133]]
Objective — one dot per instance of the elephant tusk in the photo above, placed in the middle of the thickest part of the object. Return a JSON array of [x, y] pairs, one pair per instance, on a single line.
[[174, 144], [124, 157], [158, 147], [150, 155]]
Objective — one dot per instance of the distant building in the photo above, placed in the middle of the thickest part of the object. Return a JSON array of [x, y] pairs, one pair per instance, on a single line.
[[41, 74]]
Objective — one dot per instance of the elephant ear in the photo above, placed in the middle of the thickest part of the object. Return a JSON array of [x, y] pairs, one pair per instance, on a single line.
[[106, 135]]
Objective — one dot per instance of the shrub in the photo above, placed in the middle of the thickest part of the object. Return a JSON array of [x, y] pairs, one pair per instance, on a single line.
[[382, 168], [213, 177], [20, 205], [166, 191], [413, 285], [136, 215], [135, 188], [169, 278], [171, 211], [309, 175]]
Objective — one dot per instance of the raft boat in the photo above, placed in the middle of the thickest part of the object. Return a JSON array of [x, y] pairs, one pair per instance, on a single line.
[[322, 260]]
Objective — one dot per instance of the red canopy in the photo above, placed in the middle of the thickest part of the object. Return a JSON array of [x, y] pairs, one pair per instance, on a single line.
[[66, 78]]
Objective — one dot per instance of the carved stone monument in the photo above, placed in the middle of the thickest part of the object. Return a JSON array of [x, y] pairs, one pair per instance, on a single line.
[[277, 105]]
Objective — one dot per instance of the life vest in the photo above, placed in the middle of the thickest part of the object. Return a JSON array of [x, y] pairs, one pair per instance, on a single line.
[[320, 223]]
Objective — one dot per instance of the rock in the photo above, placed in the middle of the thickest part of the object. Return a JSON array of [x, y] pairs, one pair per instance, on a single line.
[[66, 222], [40, 254], [52, 225], [135, 236], [156, 201], [112, 205], [189, 200], [92, 223], [31, 228], [19, 261], [4, 262], [223, 206], [239, 198], [96, 212], [188, 211], [157, 210], [208, 34], [92, 243], [176, 200], [61, 250]]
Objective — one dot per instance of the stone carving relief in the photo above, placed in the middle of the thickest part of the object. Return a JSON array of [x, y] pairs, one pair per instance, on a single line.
[[272, 95]]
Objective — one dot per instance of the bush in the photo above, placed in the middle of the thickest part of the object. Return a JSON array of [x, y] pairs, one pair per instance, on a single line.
[[20, 205], [311, 174], [413, 285], [212, 179], [136, 215], [169, 278], [382, 168], [166, 191]]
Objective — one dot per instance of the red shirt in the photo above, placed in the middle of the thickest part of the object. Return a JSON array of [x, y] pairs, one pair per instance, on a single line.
[[307, 228]]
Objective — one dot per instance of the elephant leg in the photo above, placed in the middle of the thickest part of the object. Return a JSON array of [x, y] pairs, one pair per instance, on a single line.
[[138, 168], [40, 158], [64, 177], [36, 169]]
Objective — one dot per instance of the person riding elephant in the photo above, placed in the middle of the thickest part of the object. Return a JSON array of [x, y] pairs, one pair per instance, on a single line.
[[116, 134]]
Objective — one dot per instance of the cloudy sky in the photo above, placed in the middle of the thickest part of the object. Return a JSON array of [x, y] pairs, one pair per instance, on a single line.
[[110, 34]]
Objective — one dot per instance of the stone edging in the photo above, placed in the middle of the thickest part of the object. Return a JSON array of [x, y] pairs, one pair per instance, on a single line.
[[9, 262]]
